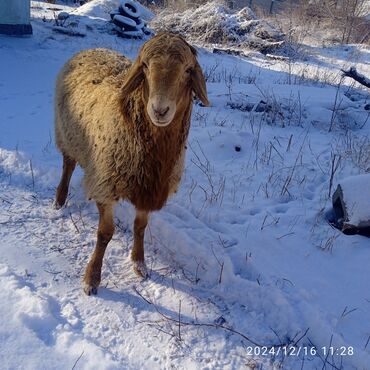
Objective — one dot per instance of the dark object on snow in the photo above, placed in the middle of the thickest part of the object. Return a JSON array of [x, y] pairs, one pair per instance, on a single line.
[[220, 320], [243, 107], [62, 16], [263, 46], [238, 148], [139, 23], [68, 31], [367, 106], [128, 22], [15, 29], [261, 107], [342, 218], [113, 13], [227, 51], [129, 9], [277, 57], [130, 34], [352, 73], [147, 31]]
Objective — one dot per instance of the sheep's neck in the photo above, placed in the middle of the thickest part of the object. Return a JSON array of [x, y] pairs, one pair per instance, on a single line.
[[159, 152]]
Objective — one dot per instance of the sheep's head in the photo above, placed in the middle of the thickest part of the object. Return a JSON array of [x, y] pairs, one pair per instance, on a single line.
[[170, 73]]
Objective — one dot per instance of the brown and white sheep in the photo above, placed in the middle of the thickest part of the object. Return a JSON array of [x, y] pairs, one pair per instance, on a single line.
[[126, 125]]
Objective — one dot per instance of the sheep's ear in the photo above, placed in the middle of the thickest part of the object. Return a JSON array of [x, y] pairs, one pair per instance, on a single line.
[[133, 78], [199, 85]]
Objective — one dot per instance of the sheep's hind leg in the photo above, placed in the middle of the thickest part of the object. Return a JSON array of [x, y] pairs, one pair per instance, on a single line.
[[62, 190], [105, 232], [137, 254]]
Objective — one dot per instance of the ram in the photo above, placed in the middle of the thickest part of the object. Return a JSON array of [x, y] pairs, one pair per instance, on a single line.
[[126, 124]]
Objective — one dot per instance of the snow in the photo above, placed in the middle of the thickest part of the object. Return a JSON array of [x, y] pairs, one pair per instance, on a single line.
[[356, 196], [37, 324], [244, 245], [97, 9], [100, 9]]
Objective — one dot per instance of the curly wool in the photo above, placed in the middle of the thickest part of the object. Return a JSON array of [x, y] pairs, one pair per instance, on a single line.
[[122, 153]]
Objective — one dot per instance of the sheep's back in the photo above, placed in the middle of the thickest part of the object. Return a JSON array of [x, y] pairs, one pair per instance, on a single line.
[[87, 114], [87, 100]]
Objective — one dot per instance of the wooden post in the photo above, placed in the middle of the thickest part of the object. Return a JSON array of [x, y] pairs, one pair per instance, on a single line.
[[271, 6]]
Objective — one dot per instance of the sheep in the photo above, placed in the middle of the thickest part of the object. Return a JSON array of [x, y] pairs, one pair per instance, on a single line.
[[126, 125]]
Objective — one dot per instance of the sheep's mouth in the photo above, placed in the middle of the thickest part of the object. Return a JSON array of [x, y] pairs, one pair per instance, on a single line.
[[160, 123], [161, 110]]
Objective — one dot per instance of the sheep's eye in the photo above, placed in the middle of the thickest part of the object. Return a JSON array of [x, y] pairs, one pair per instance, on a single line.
[[189, 70], [145, 66]]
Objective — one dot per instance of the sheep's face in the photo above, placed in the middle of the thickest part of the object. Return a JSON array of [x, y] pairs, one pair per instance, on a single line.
[[168, 68], [166, 85]]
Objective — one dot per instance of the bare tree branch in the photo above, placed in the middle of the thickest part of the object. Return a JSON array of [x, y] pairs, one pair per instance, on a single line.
[[361, 79]]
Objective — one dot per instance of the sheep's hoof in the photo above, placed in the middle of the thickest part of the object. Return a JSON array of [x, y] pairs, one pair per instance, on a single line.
[[56, 205], [90, 289], [140, 269]]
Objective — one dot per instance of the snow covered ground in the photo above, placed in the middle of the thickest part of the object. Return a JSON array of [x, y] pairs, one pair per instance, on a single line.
[[241, 256]]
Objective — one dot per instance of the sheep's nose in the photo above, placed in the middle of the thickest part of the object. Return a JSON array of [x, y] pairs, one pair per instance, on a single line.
[[160, 112]]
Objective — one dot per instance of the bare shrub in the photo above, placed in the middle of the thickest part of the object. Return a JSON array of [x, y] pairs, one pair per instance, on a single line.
[[339, 21], [348, 17], [175, 5], [356, 150]]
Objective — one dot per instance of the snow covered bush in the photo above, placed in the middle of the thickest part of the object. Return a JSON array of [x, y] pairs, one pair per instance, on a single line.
[[214, 23]]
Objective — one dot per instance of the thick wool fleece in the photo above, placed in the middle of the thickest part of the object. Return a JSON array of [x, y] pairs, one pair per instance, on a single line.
[[122, 153]]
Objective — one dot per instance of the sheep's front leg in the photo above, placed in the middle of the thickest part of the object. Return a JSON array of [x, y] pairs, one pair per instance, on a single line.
[[137, 254], [62, 190], [105, 232]]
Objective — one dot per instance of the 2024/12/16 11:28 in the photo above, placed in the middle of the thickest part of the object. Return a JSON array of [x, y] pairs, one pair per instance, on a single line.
[[299, 350]]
